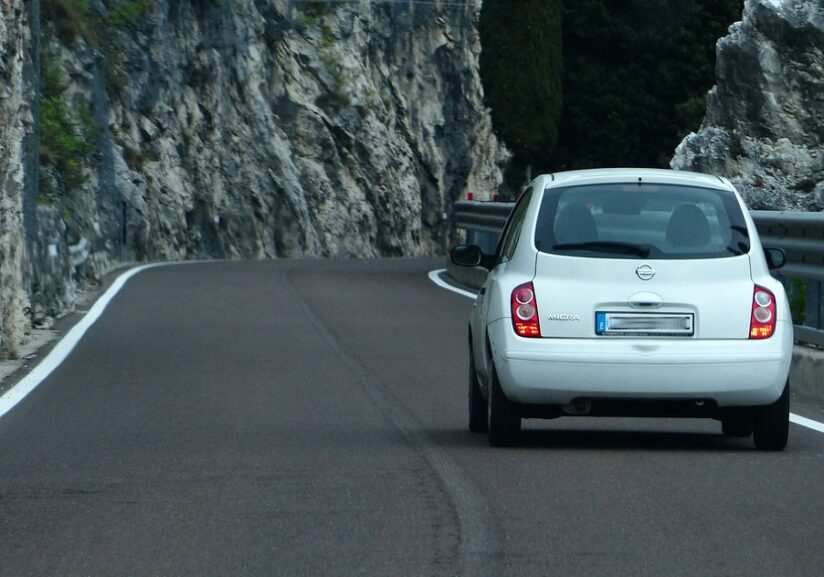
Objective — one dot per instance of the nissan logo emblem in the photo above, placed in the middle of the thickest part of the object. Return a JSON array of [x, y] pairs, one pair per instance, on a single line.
[[645, 272]]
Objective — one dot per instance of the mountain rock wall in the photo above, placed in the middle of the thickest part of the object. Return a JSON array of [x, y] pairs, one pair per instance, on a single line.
[[763, 128], [15, 121], [247, 129]]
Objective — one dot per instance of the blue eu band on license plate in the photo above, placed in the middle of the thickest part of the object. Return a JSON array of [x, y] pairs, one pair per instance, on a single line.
[[625, 324], [600, 323]]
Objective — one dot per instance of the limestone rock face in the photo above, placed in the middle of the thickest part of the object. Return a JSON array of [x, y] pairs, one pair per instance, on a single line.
[[15, 120], [258, 129], [763, 127], [252, 129]]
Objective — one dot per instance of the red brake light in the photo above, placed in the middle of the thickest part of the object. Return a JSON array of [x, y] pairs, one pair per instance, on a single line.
[[525, 312], [762, 320]]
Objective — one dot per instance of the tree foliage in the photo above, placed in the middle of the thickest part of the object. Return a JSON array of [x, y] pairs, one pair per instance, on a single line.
[[521, 71], [632, 76], [636, 73]]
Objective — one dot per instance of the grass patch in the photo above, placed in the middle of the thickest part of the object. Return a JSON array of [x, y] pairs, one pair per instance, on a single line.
[[68, 133], [72, 18], [327, 36], [122, 14], [797, 293]]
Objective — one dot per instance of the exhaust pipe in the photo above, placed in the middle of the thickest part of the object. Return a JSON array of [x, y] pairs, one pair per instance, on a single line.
[[578, 407]]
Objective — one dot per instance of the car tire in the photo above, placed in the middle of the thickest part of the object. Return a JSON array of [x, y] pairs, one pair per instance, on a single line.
[[737, 425], [771, 427], [478, 412], [504, 418]]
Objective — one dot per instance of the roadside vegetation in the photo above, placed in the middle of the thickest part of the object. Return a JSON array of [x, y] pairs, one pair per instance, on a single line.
[[585, 83], [522, 69], [68, 132]]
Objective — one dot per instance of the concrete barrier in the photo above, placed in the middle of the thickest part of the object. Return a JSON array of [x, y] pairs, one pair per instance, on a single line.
[[806, 374], [471, 277]]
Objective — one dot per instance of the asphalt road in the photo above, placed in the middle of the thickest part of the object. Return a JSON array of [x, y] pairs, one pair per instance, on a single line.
[[308, 418]]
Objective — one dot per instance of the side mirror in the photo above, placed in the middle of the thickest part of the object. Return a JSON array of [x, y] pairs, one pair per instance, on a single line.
[[466, 255], [776, 258]]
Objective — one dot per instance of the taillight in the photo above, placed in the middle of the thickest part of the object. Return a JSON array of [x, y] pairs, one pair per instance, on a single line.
[[762, 320], [525, 312]]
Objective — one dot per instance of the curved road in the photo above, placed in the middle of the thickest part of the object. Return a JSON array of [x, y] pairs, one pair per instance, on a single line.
[[308, 418]]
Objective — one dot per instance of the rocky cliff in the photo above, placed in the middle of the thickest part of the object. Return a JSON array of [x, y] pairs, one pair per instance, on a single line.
[[15, 121], [243, 129], [763, 128]]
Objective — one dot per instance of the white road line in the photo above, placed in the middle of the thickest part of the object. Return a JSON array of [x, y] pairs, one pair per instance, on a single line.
[[805, 422], [435, 277], [65, 346]]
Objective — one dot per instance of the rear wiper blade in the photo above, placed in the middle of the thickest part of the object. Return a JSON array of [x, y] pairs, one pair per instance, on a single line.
[[606, 246], [741, 249]]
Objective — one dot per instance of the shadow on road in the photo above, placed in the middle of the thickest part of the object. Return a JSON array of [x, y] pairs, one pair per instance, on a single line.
[[588, 439]]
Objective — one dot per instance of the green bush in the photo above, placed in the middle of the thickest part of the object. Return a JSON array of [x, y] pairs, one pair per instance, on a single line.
[[636, 73], [521, 68], [124, 13], [71, 18], [797, 291], [68, 133], [586, 83]]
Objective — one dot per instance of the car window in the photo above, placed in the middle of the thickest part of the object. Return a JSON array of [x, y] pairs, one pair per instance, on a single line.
[[641, 221], [512, 230]]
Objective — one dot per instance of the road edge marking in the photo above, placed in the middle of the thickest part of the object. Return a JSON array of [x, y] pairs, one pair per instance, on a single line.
[[65, 346], [805, 422], [435, 277]]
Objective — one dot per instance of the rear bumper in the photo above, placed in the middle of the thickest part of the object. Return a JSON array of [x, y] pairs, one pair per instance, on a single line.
[[557, 371]]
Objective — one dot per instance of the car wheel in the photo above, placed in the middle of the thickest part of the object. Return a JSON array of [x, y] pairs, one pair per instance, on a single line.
[[478, 415], [771, 427], [737, 425], [504, 418]]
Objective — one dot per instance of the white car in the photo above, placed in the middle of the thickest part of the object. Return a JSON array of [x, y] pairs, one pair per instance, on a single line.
[[630, 292]]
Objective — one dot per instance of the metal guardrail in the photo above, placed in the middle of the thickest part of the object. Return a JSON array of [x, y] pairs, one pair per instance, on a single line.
[[483, 221], [486, 216], [799, 234]]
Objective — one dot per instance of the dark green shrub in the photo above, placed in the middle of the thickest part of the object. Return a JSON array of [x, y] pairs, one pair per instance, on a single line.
[[636, 73], [68, 132], [124, 13], [521, 71], [71, 18], [797, 293]]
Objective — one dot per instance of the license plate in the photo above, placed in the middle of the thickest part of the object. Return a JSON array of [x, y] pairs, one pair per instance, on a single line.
[[644, 324]]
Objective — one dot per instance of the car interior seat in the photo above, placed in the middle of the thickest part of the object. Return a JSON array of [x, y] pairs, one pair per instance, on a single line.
[[688, 227], [575, 224]]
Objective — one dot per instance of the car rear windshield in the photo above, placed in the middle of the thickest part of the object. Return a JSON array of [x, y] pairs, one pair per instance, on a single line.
[[650, 221]]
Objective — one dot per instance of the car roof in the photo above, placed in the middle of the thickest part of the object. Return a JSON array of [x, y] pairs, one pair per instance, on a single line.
[[631, 175]]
